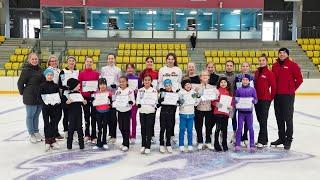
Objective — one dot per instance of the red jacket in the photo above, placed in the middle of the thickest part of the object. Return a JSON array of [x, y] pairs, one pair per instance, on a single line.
[[87, 75], [148, 71], [288, 76], [264, 80], [222, 91]]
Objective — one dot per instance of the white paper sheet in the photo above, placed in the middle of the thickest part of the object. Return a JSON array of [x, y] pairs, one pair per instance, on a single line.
[[101, 99], [66, 76], [209, 95], [170, 98], [51, 99], [110, 80], [225, 101], [148, 98], [155, 84], [244, 103], [88, 86], [76, 97], [133, 84], [188, 100], [121, 101]]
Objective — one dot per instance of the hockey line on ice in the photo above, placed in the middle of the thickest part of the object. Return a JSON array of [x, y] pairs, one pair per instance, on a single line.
[[308, 115], [11, 110]]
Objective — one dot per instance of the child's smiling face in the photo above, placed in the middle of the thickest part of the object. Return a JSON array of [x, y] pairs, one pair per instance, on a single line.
[[223, 84]]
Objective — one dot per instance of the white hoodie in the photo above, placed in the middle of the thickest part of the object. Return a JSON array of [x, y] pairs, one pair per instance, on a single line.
[[173, 73], [146, 109], [187, 107], [124, 92]]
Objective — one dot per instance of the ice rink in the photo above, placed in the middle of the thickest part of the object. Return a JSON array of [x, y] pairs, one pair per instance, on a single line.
[[22, 160]]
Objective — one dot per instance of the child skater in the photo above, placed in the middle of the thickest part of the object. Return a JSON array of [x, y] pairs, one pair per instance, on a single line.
[[245, 115], [103, 113], [167, 118], [130, 74], [51, 109], [188, 100], [147, 113], [223, 87], [124, 110], [75, 111]]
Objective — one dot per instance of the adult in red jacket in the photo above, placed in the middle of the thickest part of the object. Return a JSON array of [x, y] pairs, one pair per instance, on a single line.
[[85, 76], [265, 85], [288, 79]]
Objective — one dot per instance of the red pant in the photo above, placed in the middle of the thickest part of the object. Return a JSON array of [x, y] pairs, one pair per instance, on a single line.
[[133, 122]]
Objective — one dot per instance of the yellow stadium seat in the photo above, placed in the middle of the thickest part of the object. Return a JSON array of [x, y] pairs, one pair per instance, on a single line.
[[271, 53], [315, 61], [178, 53], [317, 41], [236, 60], [310, 48], [306, 41], [258, 53], [84, 52], [21, 58], [127, 46], [94, 66], [177, 46], [220, 53], [233, 53], [223, 60], [71, 52], [216, 60], [81, 59], [120, 52], [317, 47], [139, 60], [184, 53], [316, 54], [134, 46], [180, 66], [95, 59], [312, 41], [158, 53], [90, 52], [209, 59], [77, 52], [140, 46], [183, 46], [119, 66], [245, 53], [207, 53], [133, 53], [139, 52], [179, 60], [79, 66], [252, 54], [25, 51], [152, 53], [145, 52], [219, 68], [242, 59], [270, 60], [185, 59], [7, 65], [300, 41], [249, 60], [121, 46], [310, 54], [214, 53], [126, 59], [15, 66], [164, 46], [171, 46], [226, 53], [2, 39], [119, 60], [21, 65], [96, 52], [158, 46], [255, 60], [146, 46], [13, 58], [304, 47], [265, 52], [17, 51], [158, 60], [133, 59], [158, 66], [126, 53], [165, 52], [11, 73], [152, 47], [239, 54], [139, 67], [2, 72]]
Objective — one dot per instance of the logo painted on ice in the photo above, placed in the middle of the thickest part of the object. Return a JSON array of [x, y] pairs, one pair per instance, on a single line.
[[194, 165]]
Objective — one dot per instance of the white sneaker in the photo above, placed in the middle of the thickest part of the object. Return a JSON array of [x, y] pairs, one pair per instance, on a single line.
[[55, 146], [86, 139], [105, 146], [75, 137], [153, 140], [94, 141], [209, 146], [233, 138], [38, 137], [121, 146], [181, 148], [200, 146], [132, 141], [259, 145], [65, 134], [108, 138], [147, 151], [32, 138], [124, 148], [190, 148], [95, 147], [142, 150], [246, 143], [162, 149], [47, 147], [169, 149], [113, 140]]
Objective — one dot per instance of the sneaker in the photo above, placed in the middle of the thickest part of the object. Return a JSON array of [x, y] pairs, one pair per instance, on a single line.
[[75, 137], [259, 145], [32, 138], [181, 148], [108, 138], [121, 146], [65, 134], [95, 147], [252, 149], [147, 151], [113, 140], [162, 149], [105, 146], [124, 148], [87, 139], [59, 138], [47, 147], [55, 146], [209, 146], [132, 141], [94, 141], [153, 140], [169, 149], [38, 137], [190, 148], [200, 146], [246, 143], [237, 148], [142, 150]]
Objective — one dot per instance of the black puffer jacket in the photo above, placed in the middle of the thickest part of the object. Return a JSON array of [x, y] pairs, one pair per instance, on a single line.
[[29, 83]]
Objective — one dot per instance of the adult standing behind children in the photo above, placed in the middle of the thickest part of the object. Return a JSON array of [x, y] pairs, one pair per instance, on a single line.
[[28, 84], [288, 79], [54, 66], [211, 68], [191, 73]]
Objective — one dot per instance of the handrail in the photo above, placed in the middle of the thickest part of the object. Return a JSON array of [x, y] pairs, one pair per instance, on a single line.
[[309, 32]]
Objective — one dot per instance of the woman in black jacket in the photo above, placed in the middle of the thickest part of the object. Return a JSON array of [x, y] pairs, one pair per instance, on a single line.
[[28, 84]]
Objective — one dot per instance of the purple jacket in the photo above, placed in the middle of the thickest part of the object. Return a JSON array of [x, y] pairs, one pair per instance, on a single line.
[[246, 92]]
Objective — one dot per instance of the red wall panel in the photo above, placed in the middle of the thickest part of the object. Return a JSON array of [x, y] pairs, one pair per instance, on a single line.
[[158, 3]]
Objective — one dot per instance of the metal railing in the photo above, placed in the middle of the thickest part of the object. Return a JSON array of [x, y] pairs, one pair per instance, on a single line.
[[309, 32]]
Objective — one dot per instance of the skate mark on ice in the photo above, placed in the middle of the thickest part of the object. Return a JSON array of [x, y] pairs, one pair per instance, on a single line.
[[11, 110]]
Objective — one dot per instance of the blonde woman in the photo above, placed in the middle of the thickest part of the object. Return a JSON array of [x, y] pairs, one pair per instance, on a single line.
[[53, 64]]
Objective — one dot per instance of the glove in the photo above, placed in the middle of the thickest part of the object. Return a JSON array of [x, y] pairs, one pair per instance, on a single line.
[[179, 102], [158, 105], [113, 86], [130, 102], [219, 105], [177, 90], [161, 99], [139, 105], [162, 90]]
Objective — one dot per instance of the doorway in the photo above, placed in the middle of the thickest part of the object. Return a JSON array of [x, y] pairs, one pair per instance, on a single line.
[[271, 31], [31, 28]]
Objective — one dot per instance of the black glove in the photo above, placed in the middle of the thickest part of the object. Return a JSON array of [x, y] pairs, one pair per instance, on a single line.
[[139, 105], [130, 102], [113, 86], [158, 105], [161, 100], [177, 90], [179, 102], [162, 89]]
